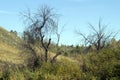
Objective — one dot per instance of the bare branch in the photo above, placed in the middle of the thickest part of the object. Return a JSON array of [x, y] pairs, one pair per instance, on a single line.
[[93, 28], [41, 24], [98, 38], [53, 59]]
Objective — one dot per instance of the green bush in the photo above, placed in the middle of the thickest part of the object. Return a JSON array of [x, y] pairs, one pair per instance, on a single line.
[[103, 66]]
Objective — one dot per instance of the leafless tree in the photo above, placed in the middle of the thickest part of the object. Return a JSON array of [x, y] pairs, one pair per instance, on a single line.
[[42, 25], [58, 33], [98, 37]]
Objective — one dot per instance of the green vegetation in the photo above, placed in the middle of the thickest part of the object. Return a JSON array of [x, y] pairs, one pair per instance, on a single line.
[[71, 65]]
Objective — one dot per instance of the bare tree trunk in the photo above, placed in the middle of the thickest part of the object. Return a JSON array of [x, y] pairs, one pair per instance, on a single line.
[[46, 55], [45, 47], [46, 50], [58, 39], [53, 59]]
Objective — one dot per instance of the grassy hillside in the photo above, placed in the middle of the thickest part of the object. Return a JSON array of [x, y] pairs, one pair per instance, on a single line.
[[13, 51], [11, 48], [104, 65]]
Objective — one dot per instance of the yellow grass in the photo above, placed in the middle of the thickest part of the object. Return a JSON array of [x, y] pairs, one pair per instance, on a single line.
[[51, 55], [11, 49], [10, 54]]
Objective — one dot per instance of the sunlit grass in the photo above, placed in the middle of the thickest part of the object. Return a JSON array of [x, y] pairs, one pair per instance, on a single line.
[[11, 48]]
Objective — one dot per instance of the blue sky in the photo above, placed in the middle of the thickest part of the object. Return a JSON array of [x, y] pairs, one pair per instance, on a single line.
[[75, 14]]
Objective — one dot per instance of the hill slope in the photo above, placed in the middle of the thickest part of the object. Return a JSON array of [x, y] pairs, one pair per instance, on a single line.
[[102, 66], [11, 48], [13, 51]]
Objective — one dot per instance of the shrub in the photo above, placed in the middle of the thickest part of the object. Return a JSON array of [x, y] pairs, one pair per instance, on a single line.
[[103, 66]]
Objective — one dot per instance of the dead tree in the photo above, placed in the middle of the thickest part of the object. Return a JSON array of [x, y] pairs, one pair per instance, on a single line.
[[42, 25], [98, 37], [58, 33]]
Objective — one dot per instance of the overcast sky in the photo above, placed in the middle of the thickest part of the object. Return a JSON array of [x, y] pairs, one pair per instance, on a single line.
[[75, 14]]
